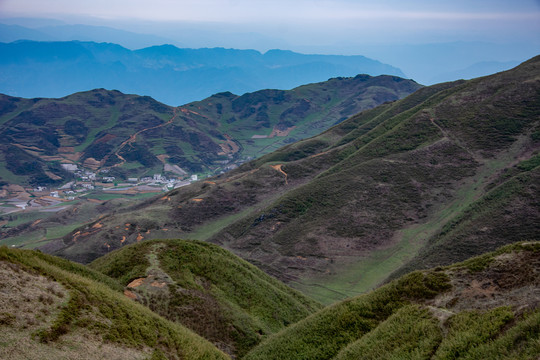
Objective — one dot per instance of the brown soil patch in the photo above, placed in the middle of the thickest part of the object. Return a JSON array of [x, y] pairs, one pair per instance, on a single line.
[[72, 156], [130, 294], [105, 138], [124, 192], [66, 149], [197, 200], [163, 158], [136, 282], [96, 201], [97, 226], [229, 146], [512, 279], [158, 284], [91, 163], [279, 167], [139, 237], [277, 132]]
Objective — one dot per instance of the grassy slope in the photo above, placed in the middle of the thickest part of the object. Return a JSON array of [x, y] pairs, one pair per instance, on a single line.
[[362, 198], [96, 309], [434, 314], [419, 167], [239, 304], [96, 123]]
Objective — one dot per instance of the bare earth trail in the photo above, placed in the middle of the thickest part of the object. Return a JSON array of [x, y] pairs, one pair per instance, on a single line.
[[280, 169], [133, 138]]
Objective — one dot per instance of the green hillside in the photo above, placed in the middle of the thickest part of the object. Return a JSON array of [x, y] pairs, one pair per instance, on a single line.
[[394, 187], [134, 136], [484, 308], [51, 308], [216, 294]]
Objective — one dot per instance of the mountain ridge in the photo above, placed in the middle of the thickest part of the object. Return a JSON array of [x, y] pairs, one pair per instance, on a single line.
[[169, 74], [335, 214], [91, 129]]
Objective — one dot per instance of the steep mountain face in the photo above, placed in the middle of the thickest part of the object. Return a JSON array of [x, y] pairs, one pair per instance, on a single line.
[[216, 294], [436, 173], [51, 308], [133, 136], [484, 308], [169, 74]]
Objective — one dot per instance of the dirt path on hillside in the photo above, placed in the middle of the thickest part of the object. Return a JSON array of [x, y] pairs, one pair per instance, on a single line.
[[279, 167], [456, 141], [132, 139]]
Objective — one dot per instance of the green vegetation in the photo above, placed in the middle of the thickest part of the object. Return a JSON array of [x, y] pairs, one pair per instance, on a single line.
[[411, 333], [434, 178], [467, 330], [199, 137], [240, 303], [325, 334], [114, 318], [427, 315]]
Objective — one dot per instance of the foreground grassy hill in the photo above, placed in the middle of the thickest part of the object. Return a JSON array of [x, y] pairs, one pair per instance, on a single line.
[[484, 308], [134, 136], [334, 215], [51, 308], [211, 291]]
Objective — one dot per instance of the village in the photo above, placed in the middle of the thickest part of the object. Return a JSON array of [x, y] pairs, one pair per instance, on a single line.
[[85, 183]]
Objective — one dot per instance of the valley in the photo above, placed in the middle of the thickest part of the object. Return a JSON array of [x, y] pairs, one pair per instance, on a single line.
[[408, 228], [384, 192], [269, 180], [95, 146]]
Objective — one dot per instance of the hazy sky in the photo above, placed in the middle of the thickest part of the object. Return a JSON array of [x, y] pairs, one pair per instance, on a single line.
[[313, 21]]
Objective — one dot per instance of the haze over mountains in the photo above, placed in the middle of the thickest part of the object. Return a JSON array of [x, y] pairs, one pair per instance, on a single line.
[[168, 74], [428, 63], [448, 172]]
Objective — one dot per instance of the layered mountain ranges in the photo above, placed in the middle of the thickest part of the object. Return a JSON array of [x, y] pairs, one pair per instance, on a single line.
[[134, 136], [449, 172], [169, 74]]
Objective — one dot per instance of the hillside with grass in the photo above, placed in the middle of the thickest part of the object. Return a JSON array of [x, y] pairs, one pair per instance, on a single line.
[[134, 136], [484, 308], [224, 299], [449, 172], [51, 308]]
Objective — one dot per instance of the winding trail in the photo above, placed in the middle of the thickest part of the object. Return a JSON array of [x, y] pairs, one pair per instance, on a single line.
[[133, 138]]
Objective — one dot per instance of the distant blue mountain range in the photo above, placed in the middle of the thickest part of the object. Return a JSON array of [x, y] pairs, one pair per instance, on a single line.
[[169, 74]]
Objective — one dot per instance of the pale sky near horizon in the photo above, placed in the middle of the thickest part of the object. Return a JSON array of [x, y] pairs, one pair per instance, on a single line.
[[379, 20]]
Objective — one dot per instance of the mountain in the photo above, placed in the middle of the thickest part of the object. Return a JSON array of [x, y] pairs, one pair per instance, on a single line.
[[135, 136], [52, 308], [485, 308], [9, 33], [449, 172], [58, 308], [169, 74], [214, 293]]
